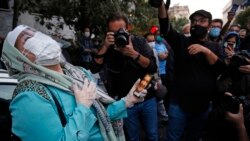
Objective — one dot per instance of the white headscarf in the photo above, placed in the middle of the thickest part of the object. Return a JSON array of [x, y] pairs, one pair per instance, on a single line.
[[12, 36]]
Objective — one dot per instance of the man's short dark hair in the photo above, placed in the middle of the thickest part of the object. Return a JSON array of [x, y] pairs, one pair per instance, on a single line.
[[117, 16], [218, 20], [202, 13], [148, 34], [238, 25]]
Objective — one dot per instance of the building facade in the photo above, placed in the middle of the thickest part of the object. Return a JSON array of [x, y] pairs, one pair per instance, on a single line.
[[227, 8], [178, 11]]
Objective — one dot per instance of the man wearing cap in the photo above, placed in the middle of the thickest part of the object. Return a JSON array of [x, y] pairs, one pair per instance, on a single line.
[[196, 66]]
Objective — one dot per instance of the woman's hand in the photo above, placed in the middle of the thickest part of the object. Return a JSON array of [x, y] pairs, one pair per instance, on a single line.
[[229, 52], [131, 99], [87, 94]]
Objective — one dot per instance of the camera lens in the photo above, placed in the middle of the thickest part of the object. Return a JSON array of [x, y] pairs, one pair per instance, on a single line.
[[121, 41], [121, 38]]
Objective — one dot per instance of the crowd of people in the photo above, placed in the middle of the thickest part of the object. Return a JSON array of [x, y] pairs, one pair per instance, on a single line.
[[199, 88]]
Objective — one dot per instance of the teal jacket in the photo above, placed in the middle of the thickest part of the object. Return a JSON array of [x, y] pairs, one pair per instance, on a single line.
[[35, 118]]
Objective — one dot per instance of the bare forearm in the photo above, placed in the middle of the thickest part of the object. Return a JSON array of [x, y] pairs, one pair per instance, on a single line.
[[142, 61], [242, 133], [211, 57], [162, 11], [225, 28]]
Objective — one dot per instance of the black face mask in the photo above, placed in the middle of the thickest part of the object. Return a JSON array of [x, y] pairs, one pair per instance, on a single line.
[[198, 32], [241, 40]]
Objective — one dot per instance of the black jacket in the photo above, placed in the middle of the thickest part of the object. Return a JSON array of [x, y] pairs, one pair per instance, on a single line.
[[194, 78]]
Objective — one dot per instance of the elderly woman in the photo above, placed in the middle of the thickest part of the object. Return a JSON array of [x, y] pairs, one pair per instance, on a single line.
[[55, 100]]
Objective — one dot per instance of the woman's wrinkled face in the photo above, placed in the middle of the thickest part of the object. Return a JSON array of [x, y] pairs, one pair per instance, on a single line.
[[21, 39]]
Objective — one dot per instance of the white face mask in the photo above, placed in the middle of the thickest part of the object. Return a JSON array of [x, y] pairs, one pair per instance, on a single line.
[[47, 51], [187, 34], [151, 44], [92, 36], [86, 34], [226, 45]]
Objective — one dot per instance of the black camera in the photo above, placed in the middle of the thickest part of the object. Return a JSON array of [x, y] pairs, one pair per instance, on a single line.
[[239, 59], [231, 103], [121, 38]]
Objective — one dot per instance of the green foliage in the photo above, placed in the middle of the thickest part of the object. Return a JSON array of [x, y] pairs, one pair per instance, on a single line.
[[179, 23], [79, 13], [142, 17], [69, 10], [243, 18]]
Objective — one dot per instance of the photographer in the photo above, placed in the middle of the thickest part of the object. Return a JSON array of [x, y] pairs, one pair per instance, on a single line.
[[236, 82], [128, 58]]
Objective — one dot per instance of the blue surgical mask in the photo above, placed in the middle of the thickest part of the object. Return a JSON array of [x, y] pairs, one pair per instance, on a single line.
[[158, 38], [214, 32]]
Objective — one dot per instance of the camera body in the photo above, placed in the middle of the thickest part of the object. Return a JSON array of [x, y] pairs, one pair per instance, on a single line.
[[231, 104], [239, 59], [121, 38]]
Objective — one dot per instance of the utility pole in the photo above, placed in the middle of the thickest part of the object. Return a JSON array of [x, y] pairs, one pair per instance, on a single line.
[[15, 14]]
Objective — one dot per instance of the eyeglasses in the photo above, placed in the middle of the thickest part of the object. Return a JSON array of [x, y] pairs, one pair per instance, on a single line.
[[201, 20]]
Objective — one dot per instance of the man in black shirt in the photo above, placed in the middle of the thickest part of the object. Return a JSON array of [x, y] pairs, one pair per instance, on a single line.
[[124, 66], [196, 66]]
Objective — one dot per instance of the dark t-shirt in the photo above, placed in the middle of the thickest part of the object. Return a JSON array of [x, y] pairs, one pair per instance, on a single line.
[[122, 71], [194, 78]]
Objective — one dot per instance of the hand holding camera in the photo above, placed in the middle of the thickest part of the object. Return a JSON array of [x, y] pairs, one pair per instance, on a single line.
[[240, 59], [123, 43], [121, 38], [238, 118], [128, 50], [109, 39], [245, 68]]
